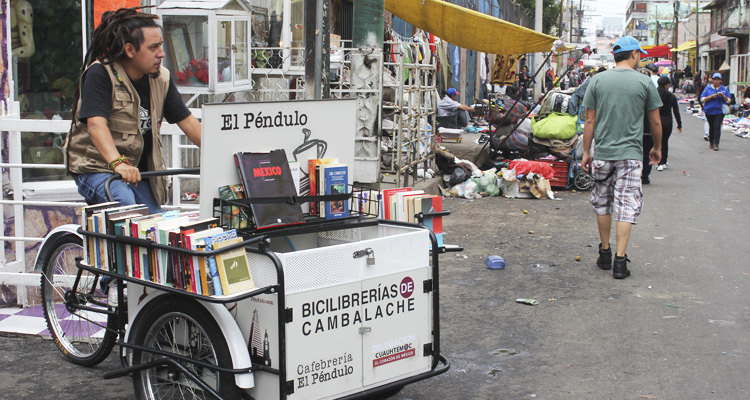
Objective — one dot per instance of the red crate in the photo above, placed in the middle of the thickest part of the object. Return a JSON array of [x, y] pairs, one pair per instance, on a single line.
[[560, 168]]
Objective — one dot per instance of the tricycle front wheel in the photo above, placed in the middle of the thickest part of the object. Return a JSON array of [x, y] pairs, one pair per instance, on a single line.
[[184, 328]]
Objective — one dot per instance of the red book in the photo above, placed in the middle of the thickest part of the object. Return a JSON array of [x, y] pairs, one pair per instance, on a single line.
[[387, 194], [175, 262], [433, 204]]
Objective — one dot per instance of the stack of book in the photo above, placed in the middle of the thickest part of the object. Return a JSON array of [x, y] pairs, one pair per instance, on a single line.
[[270, 175], [404, 204], [180, 230]]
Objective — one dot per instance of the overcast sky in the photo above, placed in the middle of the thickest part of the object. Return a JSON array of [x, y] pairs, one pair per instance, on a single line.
[[602, 8]]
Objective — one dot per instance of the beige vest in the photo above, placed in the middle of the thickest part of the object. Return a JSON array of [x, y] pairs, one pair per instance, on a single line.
[[82, 157]]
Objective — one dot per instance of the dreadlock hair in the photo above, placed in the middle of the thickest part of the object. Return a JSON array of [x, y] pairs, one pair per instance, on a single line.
[[117, 29]]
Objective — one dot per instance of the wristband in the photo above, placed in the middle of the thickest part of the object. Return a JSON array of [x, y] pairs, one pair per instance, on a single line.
[[117, 161]]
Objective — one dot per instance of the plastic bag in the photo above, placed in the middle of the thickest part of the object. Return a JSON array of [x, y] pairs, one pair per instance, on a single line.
[[487, 183], [524, 167], [508, 175], [467, 190], [458, 176]]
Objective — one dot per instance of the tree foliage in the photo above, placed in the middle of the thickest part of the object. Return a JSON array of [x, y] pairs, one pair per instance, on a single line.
[[551, 16]]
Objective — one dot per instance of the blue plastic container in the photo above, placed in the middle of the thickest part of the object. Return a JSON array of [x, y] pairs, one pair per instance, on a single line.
[[494, 262]]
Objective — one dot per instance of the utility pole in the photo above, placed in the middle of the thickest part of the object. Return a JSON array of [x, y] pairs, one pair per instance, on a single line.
[[539, 27], [580, 21], [570, 27], [656, 18], [317, 49], [697, 37], [675, 42], [560, 25]]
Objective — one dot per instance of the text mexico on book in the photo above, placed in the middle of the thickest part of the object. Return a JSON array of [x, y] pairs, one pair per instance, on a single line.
[[268, 175]]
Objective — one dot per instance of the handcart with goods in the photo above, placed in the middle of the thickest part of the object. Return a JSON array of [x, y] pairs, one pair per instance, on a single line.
[[342, 308]]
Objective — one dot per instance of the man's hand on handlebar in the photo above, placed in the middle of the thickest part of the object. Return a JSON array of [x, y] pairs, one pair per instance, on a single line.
[[129, 173]]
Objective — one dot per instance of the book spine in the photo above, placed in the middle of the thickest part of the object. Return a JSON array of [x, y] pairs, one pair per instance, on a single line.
[[212, 269]]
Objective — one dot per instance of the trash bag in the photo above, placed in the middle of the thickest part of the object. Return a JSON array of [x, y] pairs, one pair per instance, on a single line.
[[487, 183], [524, 167], [458, 176]]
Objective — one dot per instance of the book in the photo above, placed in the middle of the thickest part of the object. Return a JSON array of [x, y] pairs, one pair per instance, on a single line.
[[432, 204], [87, 223], [190, 268], [233, 267], [114, 219], [194, 241], [144, 230], [119, 226], [232, 216], [413, 205], [399, 204], [409, 206], [268, 175], [296, 171], [334, 179], [164, 257], [386, 201], [209, 242], [135, 251], [312, 179]]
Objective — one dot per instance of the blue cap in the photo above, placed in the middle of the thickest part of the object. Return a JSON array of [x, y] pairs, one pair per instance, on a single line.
[[716, 75], [452, 92], [627, 43]]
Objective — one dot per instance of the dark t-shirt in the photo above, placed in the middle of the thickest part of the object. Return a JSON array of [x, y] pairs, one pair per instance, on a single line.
[[96, 101]]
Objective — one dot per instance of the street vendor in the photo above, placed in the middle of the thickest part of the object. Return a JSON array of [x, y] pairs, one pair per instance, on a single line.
[[123, 95], [449, 107]]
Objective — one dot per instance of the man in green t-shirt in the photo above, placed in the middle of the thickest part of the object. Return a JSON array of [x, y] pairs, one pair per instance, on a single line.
[[615, 103]]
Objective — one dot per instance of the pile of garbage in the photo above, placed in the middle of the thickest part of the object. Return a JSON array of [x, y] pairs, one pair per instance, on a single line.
[[516, 179]]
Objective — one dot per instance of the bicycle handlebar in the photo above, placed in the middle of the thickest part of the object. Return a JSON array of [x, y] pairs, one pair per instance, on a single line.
[[148, 174]]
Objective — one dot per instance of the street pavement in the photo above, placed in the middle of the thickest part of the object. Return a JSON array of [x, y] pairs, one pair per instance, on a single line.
[[676, 329]]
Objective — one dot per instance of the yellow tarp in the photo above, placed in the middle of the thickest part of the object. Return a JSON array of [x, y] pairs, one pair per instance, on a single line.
[[468, 28], [685, 46]]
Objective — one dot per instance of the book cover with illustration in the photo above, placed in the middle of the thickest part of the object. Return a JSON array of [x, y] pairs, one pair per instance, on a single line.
[[233, 268], [268, 175], [312, 166], [335, 180]]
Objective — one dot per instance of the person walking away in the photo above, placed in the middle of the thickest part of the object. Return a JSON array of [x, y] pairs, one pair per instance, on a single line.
[[123, 95], [668, 108], [449, 107], [615, 102], [714, 97]]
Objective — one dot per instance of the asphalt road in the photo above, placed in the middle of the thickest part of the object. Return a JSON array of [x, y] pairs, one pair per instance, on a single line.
[[676, 329]]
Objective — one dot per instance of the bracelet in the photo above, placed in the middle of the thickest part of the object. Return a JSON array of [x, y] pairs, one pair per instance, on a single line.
[[117, 161]]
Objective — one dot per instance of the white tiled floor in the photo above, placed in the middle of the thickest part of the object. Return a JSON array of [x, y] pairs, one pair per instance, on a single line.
[[23, 324]]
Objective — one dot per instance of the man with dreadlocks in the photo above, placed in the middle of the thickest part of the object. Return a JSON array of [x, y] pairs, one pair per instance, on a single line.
[[123, 95]]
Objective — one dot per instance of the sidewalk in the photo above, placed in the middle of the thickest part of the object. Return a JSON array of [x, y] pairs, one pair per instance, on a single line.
[[30, 321]]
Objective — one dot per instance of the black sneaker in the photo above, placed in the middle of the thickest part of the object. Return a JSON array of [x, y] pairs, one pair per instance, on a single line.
[[620, 270], [605, 258]]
